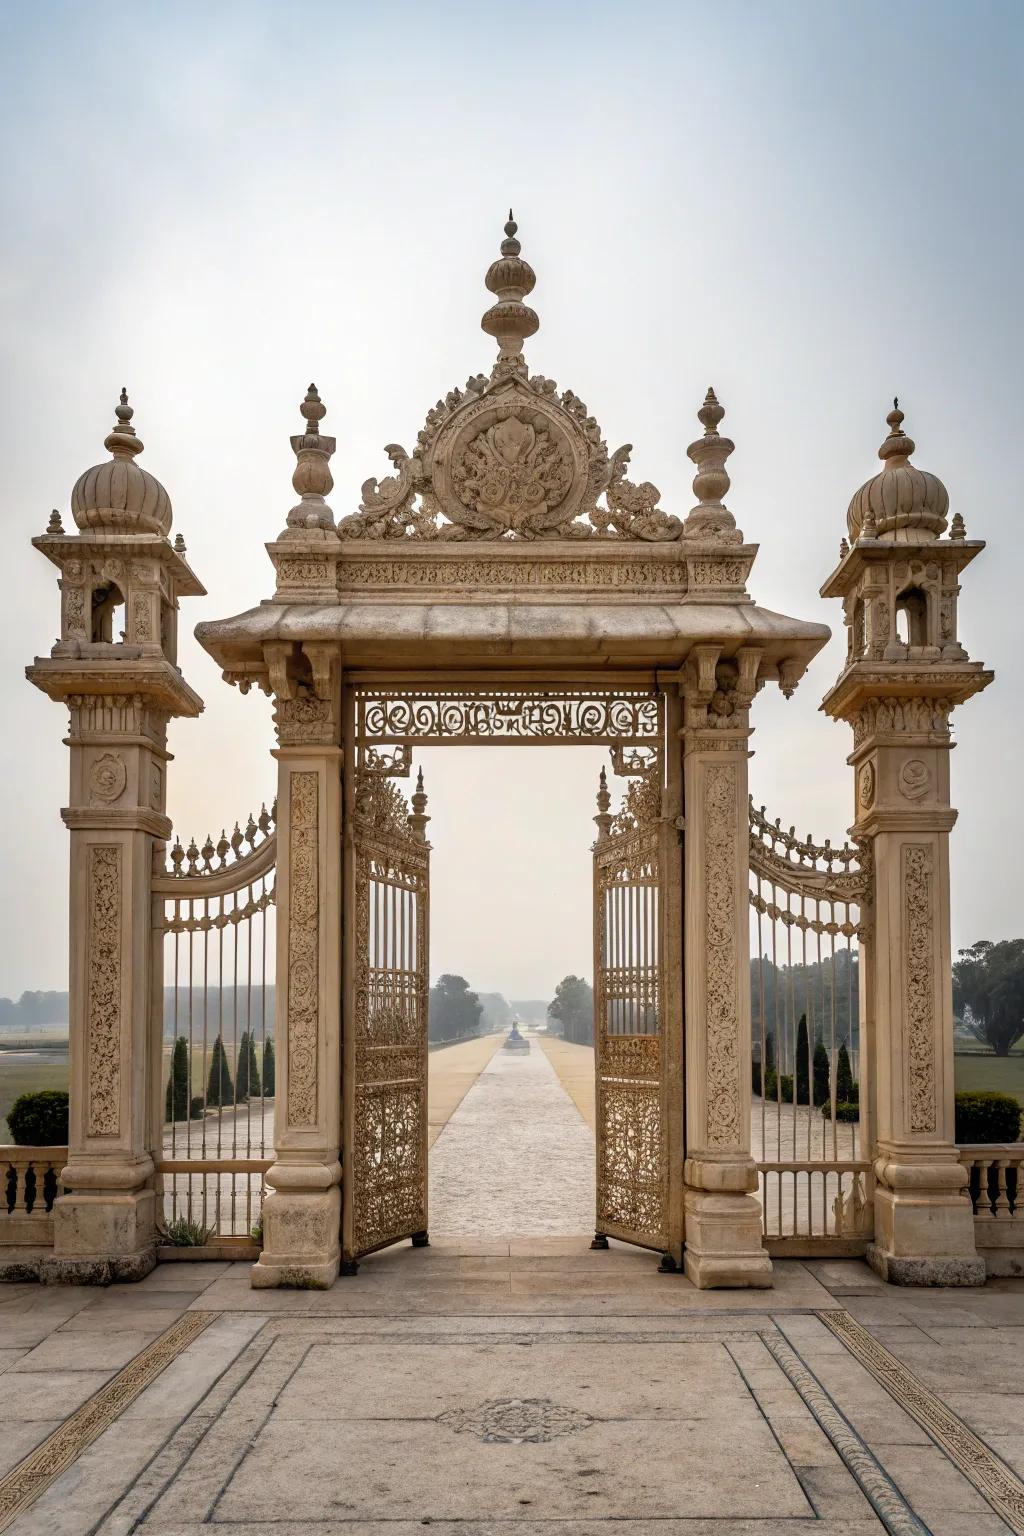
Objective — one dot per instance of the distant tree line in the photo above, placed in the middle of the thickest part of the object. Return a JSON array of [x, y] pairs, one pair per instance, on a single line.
[[826, 996], [454, 1012], [988, 989], [571, 1010]]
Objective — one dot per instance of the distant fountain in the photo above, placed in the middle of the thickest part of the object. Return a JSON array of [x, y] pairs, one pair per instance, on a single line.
[[515, 1041]]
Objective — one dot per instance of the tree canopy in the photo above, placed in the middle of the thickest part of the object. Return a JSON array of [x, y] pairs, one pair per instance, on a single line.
[[454, 1010], [573, 1007], [988, 988]]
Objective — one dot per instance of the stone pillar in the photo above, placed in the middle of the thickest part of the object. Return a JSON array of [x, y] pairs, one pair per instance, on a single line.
[[302, 1214], [905, 671], [104, 1226], [924, 1225], [722, 1213]]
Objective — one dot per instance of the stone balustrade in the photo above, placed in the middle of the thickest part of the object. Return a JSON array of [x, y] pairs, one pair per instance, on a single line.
[[29, 1184], [996, 1194]]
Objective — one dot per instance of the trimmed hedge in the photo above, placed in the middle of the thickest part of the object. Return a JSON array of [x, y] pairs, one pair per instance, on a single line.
[[39, 1119], [986, 1118], [847, 1110]]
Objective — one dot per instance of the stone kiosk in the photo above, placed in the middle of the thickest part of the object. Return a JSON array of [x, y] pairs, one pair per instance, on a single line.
[[508, 583]]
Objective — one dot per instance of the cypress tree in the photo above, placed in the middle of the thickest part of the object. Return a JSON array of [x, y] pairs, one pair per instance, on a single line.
[[219, 1089], [178, 1094], [269, 1070], [769, 1054], [248, 1084], [801, 1076], [846, 1088], [821, 1074]]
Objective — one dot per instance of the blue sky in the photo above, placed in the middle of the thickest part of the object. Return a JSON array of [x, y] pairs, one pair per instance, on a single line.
[[811, 206]]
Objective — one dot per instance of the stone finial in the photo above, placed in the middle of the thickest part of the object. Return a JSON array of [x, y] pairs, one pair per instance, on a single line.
[[511, 278], [119, 495], [710, 516], [55, 525], [958, 528], [179, 544], [901, 504], [312, 477]]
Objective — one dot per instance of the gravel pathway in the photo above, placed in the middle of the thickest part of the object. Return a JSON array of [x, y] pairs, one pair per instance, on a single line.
[[516, 1159]]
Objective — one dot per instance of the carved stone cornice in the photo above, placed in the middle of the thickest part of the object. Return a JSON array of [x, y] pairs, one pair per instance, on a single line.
[[154, 680], [138, 818]]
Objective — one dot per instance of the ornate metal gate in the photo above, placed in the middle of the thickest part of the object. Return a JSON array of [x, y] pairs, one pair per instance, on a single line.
[[637, 1020], [384, 1041]]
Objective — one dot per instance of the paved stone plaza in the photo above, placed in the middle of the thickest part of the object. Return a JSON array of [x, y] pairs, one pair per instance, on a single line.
[[516, 1156], [496, 1380]]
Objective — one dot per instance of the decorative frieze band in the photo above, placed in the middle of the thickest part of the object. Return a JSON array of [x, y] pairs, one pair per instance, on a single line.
[[303, 947]]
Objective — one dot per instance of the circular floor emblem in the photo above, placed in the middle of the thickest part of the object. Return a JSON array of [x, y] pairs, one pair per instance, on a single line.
[[515, 1420]]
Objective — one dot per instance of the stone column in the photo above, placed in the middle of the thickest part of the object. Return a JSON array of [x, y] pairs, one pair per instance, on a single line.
[[723, 1216], [924, 1225], [898, 577], [302, 1214], [104, 1226]]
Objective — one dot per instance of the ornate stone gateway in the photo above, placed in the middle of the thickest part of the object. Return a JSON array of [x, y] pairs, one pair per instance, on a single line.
[[509, 583]]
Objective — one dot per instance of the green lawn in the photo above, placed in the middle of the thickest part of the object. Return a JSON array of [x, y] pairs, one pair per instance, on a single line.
[[20, 1076], [999, 1074]]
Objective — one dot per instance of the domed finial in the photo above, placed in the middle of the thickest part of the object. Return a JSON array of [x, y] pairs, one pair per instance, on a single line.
[[120, 494], [897, 444], [510, 278], [418, 817], [901, 504], [124, 413], [122, 440]]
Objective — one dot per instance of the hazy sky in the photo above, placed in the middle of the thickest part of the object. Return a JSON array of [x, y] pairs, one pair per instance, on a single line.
[[812, 206]]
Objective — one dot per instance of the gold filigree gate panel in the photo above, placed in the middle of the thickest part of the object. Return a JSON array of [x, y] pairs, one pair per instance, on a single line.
[[638, 1026], [384, 1068]]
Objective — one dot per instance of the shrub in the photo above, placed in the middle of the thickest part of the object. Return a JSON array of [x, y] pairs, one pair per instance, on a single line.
[[196, 1108], [183, 1233], [39, 1119], [846, 1110], [176, 1099], [986, 1118]]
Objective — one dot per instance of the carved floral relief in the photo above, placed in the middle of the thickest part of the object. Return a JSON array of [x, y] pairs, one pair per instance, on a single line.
[[303, 948], [919, 982], [721, 981], [103, 1009]]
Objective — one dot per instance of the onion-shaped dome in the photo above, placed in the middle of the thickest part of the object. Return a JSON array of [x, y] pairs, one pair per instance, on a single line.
[[901, 504], [118, 495]]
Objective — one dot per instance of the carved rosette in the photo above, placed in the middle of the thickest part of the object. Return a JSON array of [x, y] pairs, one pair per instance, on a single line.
[[103, 1008], [919, 983], [721, 982], [303, 948]]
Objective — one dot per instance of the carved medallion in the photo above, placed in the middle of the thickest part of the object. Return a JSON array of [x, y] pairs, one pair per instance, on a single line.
[[107, 778], [914, 779], [515, 1420], [867, 785]]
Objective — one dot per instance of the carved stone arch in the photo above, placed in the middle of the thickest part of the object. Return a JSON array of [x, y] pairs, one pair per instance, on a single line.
[[913, 615]]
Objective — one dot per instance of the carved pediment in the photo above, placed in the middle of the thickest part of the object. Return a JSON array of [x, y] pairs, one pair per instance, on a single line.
[[510, 457]]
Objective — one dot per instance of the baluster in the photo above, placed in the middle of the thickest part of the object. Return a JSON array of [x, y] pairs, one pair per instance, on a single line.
[[983, 1209], [1002, 1205]]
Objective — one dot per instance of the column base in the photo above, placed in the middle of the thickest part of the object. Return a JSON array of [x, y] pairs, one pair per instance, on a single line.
[[723, 1242], [939, 1269], [301, 1240], [924, 1224], [101, 1237]]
